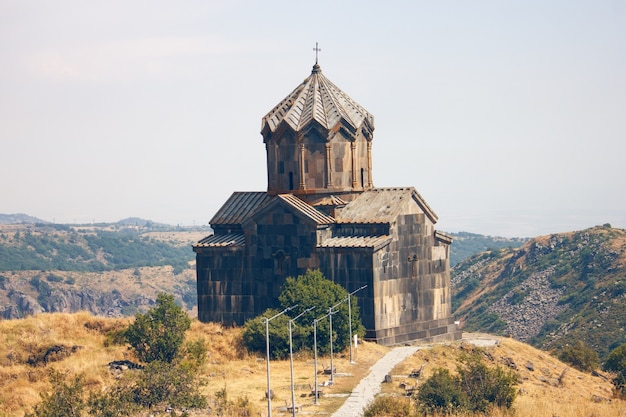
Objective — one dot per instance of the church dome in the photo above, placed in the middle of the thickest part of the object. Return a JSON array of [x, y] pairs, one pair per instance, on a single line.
[[318, 140], [318, 100]]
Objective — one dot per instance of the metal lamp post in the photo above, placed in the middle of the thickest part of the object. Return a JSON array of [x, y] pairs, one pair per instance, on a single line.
[[315, 392], [330, 318], [267, 351], [350, 317], [315, 352], [330, 326], [293, 391]]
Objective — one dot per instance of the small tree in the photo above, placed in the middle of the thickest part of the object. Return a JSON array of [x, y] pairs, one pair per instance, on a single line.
[[309, 290], [159, 334], [616, 362], [580, 356], [314, 290]]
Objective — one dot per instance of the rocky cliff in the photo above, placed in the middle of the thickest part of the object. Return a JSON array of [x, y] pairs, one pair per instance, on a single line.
[[108, 294]]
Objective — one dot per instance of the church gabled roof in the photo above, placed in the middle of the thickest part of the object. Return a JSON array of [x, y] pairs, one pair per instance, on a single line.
[[306, 209], [298, 207], [383, 205], [317, 99], [239, 206]]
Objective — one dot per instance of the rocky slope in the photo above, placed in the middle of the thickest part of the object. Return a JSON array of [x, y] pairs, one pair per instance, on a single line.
[[553, 290]]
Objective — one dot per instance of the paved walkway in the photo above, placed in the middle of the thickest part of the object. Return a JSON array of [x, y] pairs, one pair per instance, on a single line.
[[369, 386]]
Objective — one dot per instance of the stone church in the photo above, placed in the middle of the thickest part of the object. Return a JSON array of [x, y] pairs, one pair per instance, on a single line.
[[322, 211]]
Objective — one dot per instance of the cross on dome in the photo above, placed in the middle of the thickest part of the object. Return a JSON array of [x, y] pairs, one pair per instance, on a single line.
[[316, 49]]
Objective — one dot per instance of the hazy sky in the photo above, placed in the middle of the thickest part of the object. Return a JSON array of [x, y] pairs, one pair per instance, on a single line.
[[509, 117]]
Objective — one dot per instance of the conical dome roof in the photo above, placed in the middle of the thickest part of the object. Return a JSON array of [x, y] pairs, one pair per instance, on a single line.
[[317, 99]]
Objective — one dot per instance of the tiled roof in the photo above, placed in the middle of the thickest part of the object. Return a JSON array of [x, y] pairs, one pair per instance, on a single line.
[[229, 239], [373, 242], [320, 100], [306, 209], [383, 205], [239, 206]]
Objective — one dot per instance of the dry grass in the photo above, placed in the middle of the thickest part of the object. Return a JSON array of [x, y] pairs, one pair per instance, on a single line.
[[21, 383], [228, 369], [551, 389], [242, 377]]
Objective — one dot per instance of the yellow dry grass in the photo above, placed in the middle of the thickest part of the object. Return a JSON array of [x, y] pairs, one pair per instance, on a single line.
[[21, 383], [242, 376], [551, 389]]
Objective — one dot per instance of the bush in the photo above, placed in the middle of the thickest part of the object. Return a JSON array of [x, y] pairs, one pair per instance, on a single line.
[[441, 393], [254, 338], [163, 383], [388, 407], [616, 362], [580, 356], [65, 401], [487, 387], [116, 402], [476, 389], [159, 334]]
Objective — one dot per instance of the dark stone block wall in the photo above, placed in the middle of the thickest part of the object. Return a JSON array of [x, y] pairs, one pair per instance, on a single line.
[[224, 290]]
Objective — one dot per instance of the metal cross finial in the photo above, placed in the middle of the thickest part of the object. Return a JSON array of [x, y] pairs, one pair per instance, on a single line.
[[316, 49]]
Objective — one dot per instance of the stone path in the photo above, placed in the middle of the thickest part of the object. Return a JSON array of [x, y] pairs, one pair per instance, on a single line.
[[369, 386]]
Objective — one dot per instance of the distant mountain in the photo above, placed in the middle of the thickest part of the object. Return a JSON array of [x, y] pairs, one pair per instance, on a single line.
[[19, 218], [467, 244], [139, 222], [552, 291]]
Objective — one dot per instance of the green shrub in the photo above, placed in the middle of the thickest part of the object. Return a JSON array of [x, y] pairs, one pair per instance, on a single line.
[[163, 383], [476, 389], [580, 356], [388, 407], [441, 393], [486, 387], [54, 278], [616, 363], [159, 334], [254, 337], [66, 399]]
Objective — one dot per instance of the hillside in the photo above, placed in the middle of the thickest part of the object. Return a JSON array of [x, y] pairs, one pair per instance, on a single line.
[[548, 387], [117, 269], [107, 269], [552, 291]]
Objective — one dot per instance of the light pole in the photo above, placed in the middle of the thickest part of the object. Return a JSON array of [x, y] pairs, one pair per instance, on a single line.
[[330, 319], [330, 326], [350, 317], [267, 351], [293, 391], [316, 393]]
